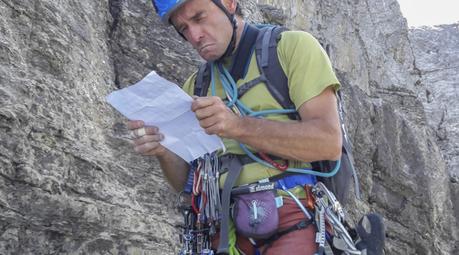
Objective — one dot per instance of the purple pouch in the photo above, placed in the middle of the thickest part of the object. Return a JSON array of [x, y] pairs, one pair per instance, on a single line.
[[255, 214]]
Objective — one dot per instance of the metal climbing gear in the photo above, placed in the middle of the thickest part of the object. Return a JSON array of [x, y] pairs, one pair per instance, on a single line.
[[320, 235], [328, 207], [204, 213], [205, 196]]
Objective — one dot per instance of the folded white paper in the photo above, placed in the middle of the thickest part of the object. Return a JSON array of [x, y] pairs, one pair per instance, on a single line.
[[159, 102]]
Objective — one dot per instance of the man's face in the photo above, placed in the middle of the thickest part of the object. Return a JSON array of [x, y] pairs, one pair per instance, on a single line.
[[205, 26]]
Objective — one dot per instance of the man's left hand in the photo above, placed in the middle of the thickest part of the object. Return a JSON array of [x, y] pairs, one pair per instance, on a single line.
[[215, 117]]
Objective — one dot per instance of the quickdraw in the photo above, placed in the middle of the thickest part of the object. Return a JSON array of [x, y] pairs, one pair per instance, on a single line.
[[202, 217], [328, 208]]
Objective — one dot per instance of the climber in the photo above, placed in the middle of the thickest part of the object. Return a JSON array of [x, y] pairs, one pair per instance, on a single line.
[[217, 31]]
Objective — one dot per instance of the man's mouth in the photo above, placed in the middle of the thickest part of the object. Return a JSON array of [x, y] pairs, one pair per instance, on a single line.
[[203, 47]]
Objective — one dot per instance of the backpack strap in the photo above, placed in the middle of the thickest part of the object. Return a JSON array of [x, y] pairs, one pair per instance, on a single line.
[[250, 84], [234, 167], [243, 53], [269, 66], [202, 82], [347, 159]]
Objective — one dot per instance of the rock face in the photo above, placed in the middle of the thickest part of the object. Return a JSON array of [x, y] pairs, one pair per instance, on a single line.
[[71, 184], [436, 50]]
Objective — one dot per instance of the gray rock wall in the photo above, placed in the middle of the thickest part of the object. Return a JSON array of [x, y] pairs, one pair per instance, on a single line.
[[436, 50], [70, 183]]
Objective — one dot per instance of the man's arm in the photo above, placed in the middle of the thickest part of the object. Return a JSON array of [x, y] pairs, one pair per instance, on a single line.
[[147, 143], [316, 137]]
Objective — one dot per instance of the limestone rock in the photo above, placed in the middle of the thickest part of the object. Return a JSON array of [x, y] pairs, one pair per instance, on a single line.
[[70, 182], [436, 50]]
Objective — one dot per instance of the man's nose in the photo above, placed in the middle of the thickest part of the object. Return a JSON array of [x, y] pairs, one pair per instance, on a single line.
[[194, 34]]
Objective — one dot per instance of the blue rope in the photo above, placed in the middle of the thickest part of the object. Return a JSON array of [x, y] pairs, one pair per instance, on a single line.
[[230, 87]]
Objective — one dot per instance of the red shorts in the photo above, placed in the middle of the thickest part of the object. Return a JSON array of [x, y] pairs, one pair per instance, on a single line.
[[294, 243]]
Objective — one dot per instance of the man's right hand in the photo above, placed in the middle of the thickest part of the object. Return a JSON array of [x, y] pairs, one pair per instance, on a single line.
[[146, 142], [146, 139]]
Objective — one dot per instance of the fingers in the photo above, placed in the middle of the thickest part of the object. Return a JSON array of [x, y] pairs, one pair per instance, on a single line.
[[146, 131], [138, 132], [208, 122], [214, 116], [138, 129], [135, 124], [149, 144], [202, 102], [210, 111], [149, 148], [148, 139], [209, 108]]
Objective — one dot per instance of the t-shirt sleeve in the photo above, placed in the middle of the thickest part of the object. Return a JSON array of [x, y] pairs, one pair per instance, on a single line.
[[306, 65], [188, 86]]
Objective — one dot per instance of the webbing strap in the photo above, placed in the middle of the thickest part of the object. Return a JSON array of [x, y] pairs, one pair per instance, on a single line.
[[202, 83], [270, 240], [243, 52], [347, 157], [234, 167], [269, 66], [250, 84], [265, 47]]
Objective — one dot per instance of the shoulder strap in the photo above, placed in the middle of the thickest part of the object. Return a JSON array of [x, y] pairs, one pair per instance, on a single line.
[[347, 159], [202, 82], [269, 66], [242, 56]]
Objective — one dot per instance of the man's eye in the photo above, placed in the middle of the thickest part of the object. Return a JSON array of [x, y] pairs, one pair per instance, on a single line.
[[200, 18]]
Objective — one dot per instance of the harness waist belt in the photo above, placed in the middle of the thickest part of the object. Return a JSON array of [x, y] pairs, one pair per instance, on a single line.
[[288, 181]]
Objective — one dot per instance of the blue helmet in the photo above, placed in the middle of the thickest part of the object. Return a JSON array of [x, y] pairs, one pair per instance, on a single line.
[[164, 8]]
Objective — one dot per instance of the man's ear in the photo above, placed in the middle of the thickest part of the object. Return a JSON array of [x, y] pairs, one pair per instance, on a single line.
[[230, 5]]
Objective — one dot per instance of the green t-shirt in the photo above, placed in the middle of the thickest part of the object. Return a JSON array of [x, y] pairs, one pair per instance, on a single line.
[[309, 72]]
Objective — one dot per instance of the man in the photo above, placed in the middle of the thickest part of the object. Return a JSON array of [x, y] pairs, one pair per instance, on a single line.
[[215, 31]]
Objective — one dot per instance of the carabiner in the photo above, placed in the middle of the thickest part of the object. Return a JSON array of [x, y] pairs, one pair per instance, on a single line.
[[281, 167]]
